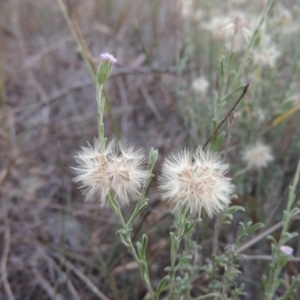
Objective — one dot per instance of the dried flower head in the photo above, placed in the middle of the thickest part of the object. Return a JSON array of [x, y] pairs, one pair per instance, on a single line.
[[186, 8], [267, 53], [286, 250], [237, 25], [200, 85], [258, 156], [196, 180], [112, 169], [236, 31], [266, 56], [216, 25]]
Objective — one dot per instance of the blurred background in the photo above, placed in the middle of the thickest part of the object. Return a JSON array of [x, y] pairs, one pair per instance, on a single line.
[[163, 93]]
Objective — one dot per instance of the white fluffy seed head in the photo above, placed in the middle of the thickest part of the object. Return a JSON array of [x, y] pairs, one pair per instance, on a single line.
[[258, 156], [115, 169], [200, 85], [196, 180]]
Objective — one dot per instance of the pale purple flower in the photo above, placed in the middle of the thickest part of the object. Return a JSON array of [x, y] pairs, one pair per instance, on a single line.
[[286, 250], [109, 57]]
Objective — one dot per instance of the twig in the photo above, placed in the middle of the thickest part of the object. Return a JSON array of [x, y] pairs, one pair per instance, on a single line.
[[87, 59], [73, 291], [83, 50], [225, 118], [33, 81], [150, 103], [265, 257], [262, 235], [4, 262], [44, 284], [80, 275], [56, 96]]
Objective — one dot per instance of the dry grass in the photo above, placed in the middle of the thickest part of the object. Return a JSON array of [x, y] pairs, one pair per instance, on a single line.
[[55, 245]]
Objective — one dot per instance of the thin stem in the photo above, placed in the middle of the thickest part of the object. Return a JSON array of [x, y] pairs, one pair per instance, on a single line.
[[215, 246], [127, 241], [6, 249], [252, 41], [264, 234], [87, 59], [175, 243], [101, 105], [208, 296], [240, 172], [226, 117], [275, 268], [116, 208], [145, 275], [152, 159], [293, 188], [227, 276], [78, 41]]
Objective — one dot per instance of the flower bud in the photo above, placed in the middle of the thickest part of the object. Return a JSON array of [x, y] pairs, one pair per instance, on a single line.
[[105, 67]]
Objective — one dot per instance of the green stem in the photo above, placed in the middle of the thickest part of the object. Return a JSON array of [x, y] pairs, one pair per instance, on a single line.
[[215, 247], [101, 105], [247, 53], [116, 208], [87, 62], [152, 159], [127, 241], [275, 269], [175, 243]]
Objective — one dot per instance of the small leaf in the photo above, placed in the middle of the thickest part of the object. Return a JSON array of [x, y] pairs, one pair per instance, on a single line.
[[217, 142], [174, 239], [284, 116], [183, 260], [287, 236], [113, 204], [168, 269], [282, 260], [153, 156], [230, 211], [255, 227], [161, 285], [139, 248], [269, 237], [189, 226], [121, 235], [144, 246], [142, 206], [174, 245]]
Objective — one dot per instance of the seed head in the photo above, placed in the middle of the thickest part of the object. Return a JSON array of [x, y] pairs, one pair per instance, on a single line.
[[258, 156], [236, 31], [186, 8], [200, 85], [266, 53], [196, 180], [115, 169]]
